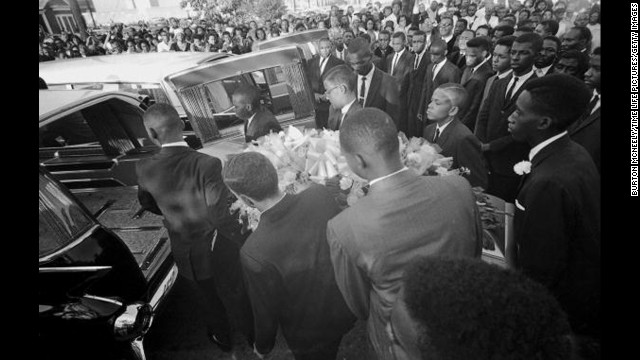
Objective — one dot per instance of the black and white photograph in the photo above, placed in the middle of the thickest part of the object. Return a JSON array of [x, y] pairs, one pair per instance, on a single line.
[[324, 179]]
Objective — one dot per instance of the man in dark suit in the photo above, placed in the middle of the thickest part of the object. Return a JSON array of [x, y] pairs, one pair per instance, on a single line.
[[440, 71], [373, 240], [457, 56], [446, 32], [376, 88], [499, 148], [412, 85], [547, 56], [258, 120], [400, 63], [586, 130], [557, 218], [340, 83], [286, 262], [186, 187], [500, 63], [316, 68], [453, 137], [474, 78], [383, 50]]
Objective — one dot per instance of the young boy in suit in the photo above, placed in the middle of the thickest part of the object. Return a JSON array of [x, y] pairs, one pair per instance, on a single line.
[[455, 139]]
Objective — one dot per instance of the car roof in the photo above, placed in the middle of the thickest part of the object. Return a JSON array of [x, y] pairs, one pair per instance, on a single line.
[[134, 68], [52, 102]]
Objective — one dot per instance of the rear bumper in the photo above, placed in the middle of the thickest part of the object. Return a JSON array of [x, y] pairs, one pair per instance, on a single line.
[[165, 287]]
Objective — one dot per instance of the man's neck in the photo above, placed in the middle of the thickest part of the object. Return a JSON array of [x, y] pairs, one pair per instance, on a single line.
[[523, 72], [172, 139], [384, 170], [351, 98], [269, 202]]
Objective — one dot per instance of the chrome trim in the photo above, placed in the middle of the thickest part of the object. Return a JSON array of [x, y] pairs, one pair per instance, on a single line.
[[164, 287], [100, 298], [72, 269], [71, 244], [138, 349], [88, 190]]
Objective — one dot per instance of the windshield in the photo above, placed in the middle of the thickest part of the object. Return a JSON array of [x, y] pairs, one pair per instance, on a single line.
[[153, 90]]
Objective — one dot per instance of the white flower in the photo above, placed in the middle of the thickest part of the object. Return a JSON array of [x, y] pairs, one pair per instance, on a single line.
[[414, 159], [523, 167], [345, 183]]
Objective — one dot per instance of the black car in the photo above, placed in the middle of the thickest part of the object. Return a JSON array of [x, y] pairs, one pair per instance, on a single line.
[[104, 268]]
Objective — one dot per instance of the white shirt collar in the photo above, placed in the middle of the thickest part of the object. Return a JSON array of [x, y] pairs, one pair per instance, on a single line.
[[505, 74], [448, 38], [596, 93], [536, 149], [347, 107], [544, 70], [387, 176], [251, 119], [175, 144], [443, 126], [274, 204], [438, 67], [482, 63], [401, 52], [521, 80]]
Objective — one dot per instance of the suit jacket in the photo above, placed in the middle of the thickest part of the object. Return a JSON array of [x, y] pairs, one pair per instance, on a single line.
[[459, 142], [458, 59], [586, 132], [557, 230], [383, 94], [410, 93], [289, 274], [403, 66], [474, 84], [314, 74], [448, 73], [491, 127], [262, 124], [383, 54], [186, 187], [335, 115], [372, 241]]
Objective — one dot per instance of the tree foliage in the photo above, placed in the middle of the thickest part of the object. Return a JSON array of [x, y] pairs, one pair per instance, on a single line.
[[237, 10]]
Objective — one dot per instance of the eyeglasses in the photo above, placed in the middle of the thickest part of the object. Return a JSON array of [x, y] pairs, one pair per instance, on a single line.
[[326, 93]]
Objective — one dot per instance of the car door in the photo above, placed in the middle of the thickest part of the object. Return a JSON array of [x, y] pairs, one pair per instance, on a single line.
[[205, 93]]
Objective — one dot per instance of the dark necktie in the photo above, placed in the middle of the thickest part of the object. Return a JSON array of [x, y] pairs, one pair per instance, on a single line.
[[510, 92], [415, 65], [393, 63], [322, 62], [435, 138], [592, 104], [362, 90], [340, 120], [587, 112]]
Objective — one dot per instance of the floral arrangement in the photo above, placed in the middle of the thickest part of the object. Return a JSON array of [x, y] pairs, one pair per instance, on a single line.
[[307, 156]]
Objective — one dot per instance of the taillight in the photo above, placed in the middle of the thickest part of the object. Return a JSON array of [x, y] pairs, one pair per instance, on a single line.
[[133, 322]]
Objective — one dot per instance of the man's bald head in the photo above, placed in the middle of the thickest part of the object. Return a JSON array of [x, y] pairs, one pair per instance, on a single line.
[[438, 51], [360, 46], [163, 123], [370, 131]]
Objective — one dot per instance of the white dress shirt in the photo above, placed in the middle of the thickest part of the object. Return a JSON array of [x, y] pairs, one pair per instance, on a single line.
[[595, 93], [437, 68], [394, 62], [367, 84], [387, 176], [542, 71], [521, 81], [175, 144]]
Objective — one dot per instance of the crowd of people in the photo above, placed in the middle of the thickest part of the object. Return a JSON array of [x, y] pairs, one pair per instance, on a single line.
[[511, 93]]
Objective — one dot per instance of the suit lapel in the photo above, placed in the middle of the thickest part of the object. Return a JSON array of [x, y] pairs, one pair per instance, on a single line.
[[549, 150], [590, 118], [510, 102]]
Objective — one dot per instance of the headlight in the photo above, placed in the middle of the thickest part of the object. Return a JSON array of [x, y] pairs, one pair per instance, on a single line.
[[133, 322]]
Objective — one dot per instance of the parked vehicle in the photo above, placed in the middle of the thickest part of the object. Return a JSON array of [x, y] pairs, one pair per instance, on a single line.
[[306, 40]]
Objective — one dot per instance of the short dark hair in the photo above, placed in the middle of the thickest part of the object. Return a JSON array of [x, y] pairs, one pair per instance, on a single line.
[[506, 41], [370, 130], [482, 42], [359, 44], [420, 33], [561, 97], [466, 23], [531, 38], [483, 27], [596, 51], [469, 309], [251, 174], [300, 26], [384, 32], [348, 31], [554, 39], [506, 29], [525, 29], [365, 36], [399, 34], [342, 74], [585, 33], [551, 25], [583, 59]]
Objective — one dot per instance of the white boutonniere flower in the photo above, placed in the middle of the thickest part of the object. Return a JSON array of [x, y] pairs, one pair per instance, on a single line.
[[523, 167]]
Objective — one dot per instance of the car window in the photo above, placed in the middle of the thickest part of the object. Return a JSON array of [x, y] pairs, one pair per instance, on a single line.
[[61, 219], [153, 90]]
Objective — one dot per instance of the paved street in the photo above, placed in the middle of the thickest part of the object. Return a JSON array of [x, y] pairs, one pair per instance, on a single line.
[[178, 334]]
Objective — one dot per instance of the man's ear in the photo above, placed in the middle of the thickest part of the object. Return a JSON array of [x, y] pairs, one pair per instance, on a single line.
[[545, 123], [454, 110], [153, 135]]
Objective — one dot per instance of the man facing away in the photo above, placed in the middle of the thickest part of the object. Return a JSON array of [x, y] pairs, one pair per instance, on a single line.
[[340, 83], [286, 262], [557, 218], [258, 120], [186, 188], [374, 239]]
